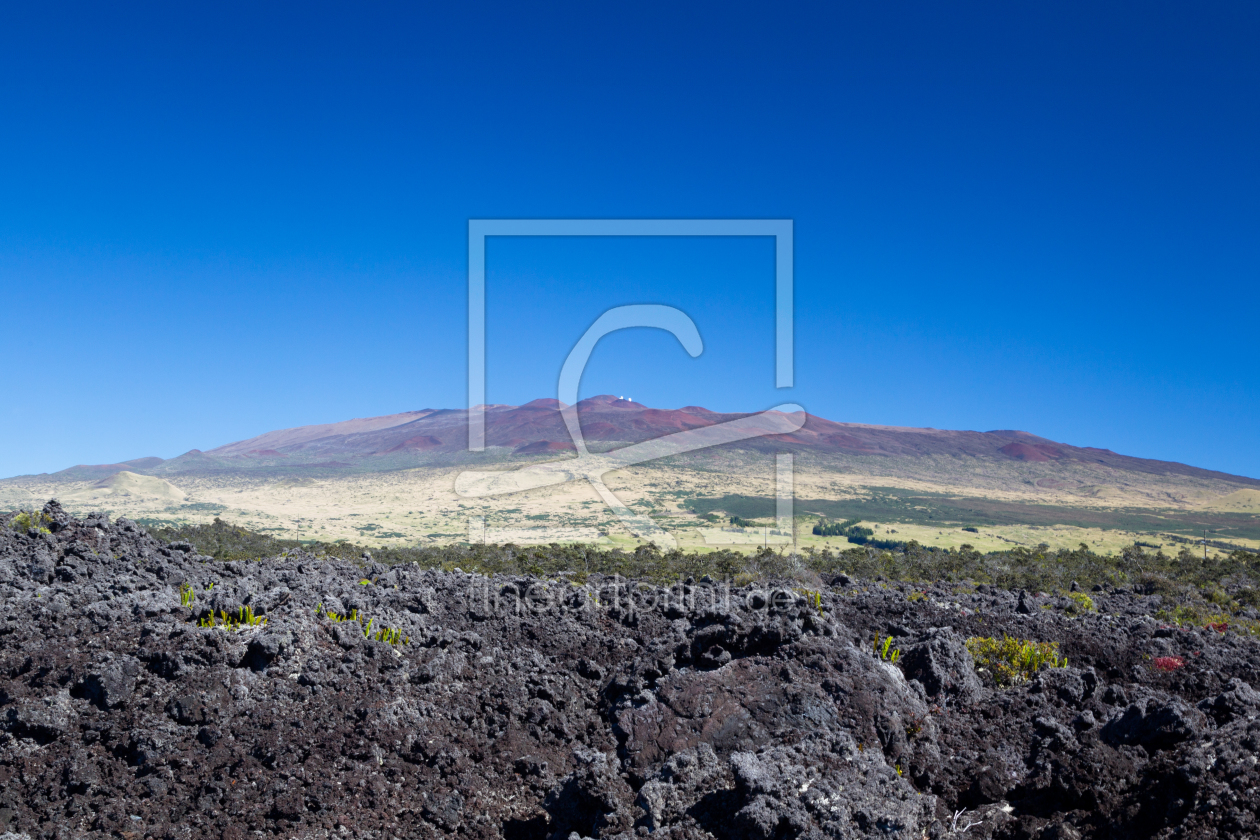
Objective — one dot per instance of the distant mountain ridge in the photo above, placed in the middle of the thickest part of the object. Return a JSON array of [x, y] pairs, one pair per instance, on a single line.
[[416, 438], [277, 441]]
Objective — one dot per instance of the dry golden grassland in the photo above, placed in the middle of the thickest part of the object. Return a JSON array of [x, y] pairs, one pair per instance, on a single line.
[[421, 506]]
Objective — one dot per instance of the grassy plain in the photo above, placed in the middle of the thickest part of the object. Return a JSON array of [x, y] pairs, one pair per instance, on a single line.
[[929, 500]]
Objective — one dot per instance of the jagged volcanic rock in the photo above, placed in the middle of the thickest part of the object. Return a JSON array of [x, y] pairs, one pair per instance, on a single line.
[[525, 709]]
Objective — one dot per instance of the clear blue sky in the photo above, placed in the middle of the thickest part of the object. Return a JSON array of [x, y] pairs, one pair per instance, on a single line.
[[218, 220]]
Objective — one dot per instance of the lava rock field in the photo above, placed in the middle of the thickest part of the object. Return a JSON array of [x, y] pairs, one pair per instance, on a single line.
[[526, 709]]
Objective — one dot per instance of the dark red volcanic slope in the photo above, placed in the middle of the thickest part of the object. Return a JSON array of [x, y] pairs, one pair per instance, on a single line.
[[417, 442], [1031, 451], [538, 428]]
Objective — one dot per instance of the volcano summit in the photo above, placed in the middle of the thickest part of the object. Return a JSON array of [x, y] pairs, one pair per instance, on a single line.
[[391, 479]]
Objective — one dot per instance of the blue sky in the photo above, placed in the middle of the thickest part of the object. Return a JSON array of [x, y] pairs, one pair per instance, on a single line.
[[220, 220]]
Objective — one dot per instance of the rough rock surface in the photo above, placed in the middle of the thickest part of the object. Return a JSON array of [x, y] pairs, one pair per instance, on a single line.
[[523, 709]]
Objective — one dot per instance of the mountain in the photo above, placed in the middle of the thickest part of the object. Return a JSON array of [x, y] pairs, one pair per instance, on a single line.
[[98, 471], [277, 442], [438, 436], [409, 478], [126, 484]]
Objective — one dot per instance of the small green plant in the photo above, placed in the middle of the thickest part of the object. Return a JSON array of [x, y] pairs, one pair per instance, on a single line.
[[187, 595], [1188, 615], [1219, 597], [31, 520], [1081, 603], [389, 635], [243, 619], [918, 596], [1012, 660], [885, 651], [336, 618], [392, 636], [814, 598]]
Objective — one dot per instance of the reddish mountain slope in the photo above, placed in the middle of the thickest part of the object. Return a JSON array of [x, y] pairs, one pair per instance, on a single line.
[[1031, 451], [416, 443], [538, 428], [284, 439]]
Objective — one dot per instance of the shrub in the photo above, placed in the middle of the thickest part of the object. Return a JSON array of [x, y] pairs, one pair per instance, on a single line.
[[1168, 664], [31, 520], [1081, 603], [1010, 660], [1218, 596], [835, 529], [1036, 569], [1248, 597], [1192, 615], [1149, 583]]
